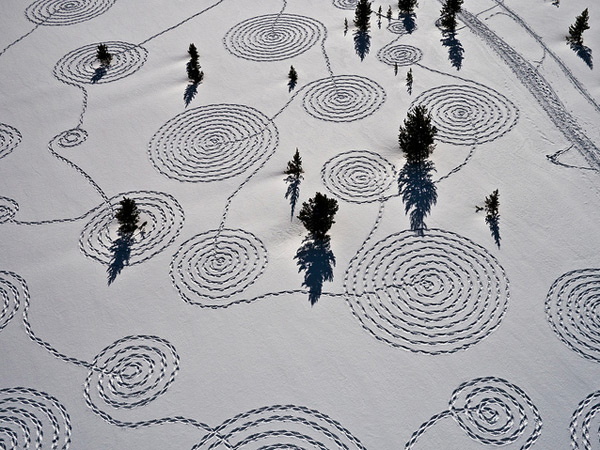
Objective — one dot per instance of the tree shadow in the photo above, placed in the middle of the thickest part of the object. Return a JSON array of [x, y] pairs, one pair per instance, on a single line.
[[293, 192], [121, 251], [98, 74], [494, 224], [418, 192], [190, 93], [455, 49], [585, 53], [292, 85], [408, 20], [362, 43], [316, 259]]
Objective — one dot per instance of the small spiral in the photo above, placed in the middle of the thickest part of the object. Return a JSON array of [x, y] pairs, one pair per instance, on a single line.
[[273, 37], [573, 310], [402, 55], [343, 98], [345, 4], [586, 423], [280, 427], [163, 217], [495, 412], [72, 137], [33, 419], [10, 138], [358, 176], [398, 28], [66, 12], [131, 372], [13, 290], [8, 209], [81, 66], [211, 267]]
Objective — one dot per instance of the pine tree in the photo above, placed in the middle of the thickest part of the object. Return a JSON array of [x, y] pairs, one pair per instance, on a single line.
[[407, 6], [409, 81], [416, 138], [345, 26], [293, 76], [362, 15], [395, 68], [576, 30], [317, 215], [389, 13], [379, 12], [193, 52], [127, 216], [448, 14], [492, 203], [103, 55], [294, 167], [193, 66]]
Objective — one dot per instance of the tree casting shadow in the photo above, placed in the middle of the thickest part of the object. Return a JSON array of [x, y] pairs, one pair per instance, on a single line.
[[293, 192], [494, 224], [190, 93], [418, 192], [455, 49], [362, 43], [585, 53], [316, 259], [121, 251]]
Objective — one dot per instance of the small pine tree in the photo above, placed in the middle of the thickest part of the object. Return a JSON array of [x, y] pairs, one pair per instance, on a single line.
[[576, 30], [103, 55], [193, 52], [389, 13], [407, 6], [416, 138], [293, 75], [492, 203], [395, 68], [317, 215], [409, 81], [294, 167], [379, 12], [362, 15], [448, 14], [127, 216], [345, 26]]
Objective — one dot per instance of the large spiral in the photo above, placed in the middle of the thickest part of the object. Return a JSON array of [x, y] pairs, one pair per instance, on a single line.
[[211, 267], [131, 372], [274, 37], [358, 176], [163, 217], [13, 290], [10, 138], [33, 419], [495, 412], [81, 65], [343, 98], [468, 114], [66, 12], [280, 427], [212, 142], [573, 310], [586, 423], [437, 293]]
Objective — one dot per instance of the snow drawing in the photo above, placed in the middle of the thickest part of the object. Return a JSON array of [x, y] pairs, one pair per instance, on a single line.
[[10, 138], [585, 424], [402, 55], [66, 12]]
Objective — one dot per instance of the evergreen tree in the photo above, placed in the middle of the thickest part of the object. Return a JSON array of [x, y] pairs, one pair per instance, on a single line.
[[409, 81], [317, 215], [193, 52], [448, 14], [379, 12], [103, 55], [416, 138], [294, 167], [345, 26], [293, 76], [492, 203], [407, 6], [362, 15], [395, 68], [576, 30], [389, 13], [127, 216]]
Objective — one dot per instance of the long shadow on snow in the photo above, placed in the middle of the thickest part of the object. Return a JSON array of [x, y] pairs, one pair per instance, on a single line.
[[455, 49], [293, 192], [121, 252], [316, 259], [362, 43], [418, 192]]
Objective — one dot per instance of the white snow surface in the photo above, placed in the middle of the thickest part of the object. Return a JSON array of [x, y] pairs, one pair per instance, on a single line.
[[206, 338]]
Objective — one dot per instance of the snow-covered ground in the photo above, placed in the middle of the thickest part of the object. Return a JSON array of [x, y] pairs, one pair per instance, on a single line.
[[206, 338]]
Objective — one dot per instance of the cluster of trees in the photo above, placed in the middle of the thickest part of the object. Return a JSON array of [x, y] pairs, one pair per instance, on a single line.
[[193, 66]]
